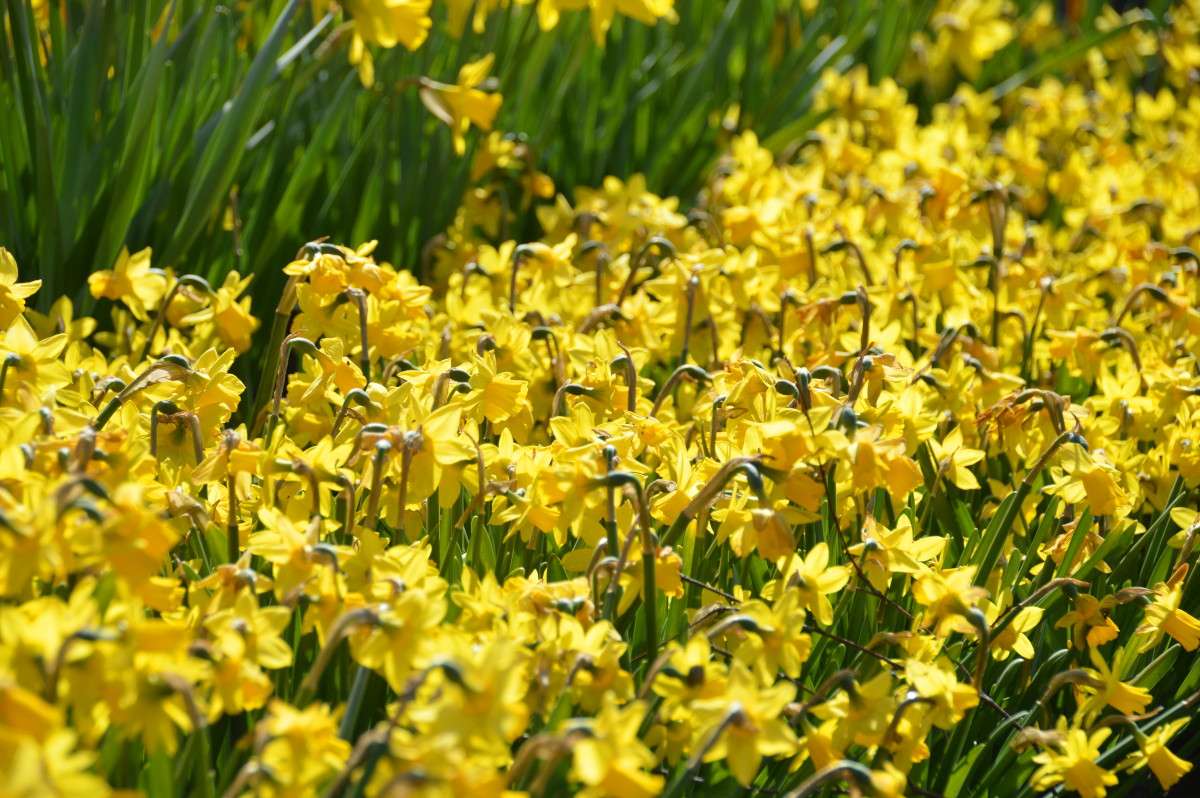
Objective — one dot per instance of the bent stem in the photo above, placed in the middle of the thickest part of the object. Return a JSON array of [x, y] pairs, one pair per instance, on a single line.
[[631, 386], [856, 772], [518, 256], [695, 372], [709, 493], [187, 279], [285, 353], [11, 359], [341, 627], [382, 447], [283, 315], [693, 284], [664, 246]]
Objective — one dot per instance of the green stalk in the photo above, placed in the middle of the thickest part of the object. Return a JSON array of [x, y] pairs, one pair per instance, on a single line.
[[354, 703], [231, 523], [382, 447], [650, 597], [341, 627], [283, 315], [649, 552], [187, 279], [360, 300], [204, 772], [695, 372]]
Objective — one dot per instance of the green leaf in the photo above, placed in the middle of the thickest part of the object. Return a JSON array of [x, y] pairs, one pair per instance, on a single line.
[[224, 150]]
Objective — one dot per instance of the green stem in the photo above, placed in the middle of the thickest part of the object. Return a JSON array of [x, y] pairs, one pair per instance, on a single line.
[[354, 703], [695, 372], [360, 300], [187, 279], [341, 627], [113, 405], [231, 523], [382, 447], [9, 360], [283, 314], [650, 597]]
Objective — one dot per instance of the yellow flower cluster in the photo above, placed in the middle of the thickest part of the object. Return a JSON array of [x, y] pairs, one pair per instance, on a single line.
[[777, 491]]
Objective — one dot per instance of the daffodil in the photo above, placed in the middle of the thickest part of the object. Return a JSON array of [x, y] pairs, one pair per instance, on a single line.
[[1152, 750], [1088, 481], [884, 553], [463, 104], [1073, 764], [936, 681], [1164, 615], [132, 281], [385, 23], [30, 363], [1089, 621], [228, 316], [813, 579], [612, 760], [774, 639], [12, 293], [947, 595], [743, 725], [302, 748], [1121, 696], [953, 459], [647, 12]]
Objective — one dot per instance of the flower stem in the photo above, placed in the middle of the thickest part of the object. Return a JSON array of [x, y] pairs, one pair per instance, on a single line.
[[354, 703]]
